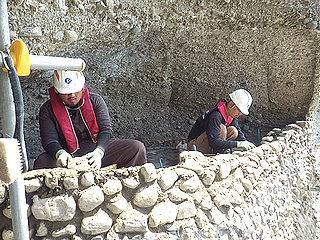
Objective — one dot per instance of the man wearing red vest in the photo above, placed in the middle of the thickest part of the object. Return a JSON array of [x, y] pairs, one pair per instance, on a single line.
[[76, 123], [218, 130]]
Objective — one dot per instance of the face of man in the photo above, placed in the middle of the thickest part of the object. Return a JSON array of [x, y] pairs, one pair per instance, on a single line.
[[234, 111], [71, 99]]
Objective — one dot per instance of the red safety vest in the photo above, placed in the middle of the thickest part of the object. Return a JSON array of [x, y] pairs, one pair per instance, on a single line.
[[222, 109], [62, 115]]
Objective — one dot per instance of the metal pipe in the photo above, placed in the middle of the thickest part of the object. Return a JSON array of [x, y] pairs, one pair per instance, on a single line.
[[53, 63], [19, 209], [56, 63], [4, 27], [7, 109]]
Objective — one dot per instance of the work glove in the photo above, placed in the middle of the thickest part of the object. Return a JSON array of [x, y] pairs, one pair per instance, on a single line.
[[94, 158], [62, 157], [245, 145]]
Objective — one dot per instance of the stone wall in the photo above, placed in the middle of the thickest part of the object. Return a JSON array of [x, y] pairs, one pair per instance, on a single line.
[[259, 194]]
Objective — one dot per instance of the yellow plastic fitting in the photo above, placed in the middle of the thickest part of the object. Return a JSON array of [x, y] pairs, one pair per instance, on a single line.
[[20, 56]]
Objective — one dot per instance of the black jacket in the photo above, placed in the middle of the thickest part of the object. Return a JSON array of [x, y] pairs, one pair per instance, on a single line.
[[52, 138], [210, 122]]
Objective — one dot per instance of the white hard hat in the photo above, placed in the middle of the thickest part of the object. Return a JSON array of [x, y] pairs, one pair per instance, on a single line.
[[66, 82], [242, 99]]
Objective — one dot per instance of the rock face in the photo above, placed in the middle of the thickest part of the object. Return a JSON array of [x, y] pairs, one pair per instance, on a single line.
[[264, 194], [159, 65]]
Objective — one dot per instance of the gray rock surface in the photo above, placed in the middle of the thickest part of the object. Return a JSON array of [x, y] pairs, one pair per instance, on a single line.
[[159, 66]]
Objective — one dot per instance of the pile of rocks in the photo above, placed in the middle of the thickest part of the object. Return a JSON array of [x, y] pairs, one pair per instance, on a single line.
[[259, 194]]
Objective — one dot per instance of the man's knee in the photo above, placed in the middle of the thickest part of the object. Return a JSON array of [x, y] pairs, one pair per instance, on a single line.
[[223, 132], [136, 153], [44, 160], [138, 145], [141, 151], [232, 133]]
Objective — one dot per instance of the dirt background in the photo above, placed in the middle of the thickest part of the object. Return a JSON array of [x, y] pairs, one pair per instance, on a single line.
[[159, 64]]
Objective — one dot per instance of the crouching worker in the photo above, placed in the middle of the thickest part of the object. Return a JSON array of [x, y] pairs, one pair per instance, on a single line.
[[76, 123], [218, 130]]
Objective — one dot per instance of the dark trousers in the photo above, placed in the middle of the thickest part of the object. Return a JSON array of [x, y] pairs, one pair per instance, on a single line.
[[123, 152], [202, 143]]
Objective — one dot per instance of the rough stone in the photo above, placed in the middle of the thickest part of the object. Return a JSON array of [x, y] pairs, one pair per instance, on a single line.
[[216, 216], [131, 220], [130, 183], [70, 183], [42, 230], [186, 209], [222, 201], [234, 197], [176, 195], [117, 204], [67, 230], [31, 32], [166, 179], [7, 235], [58, 36], [112, 186], [146, 197], [162, 213], [90, 198], [206, 202], [208, 177], [96, 224], [51, 181], [7, 211], [247, 184], [70, 36], [181, 224], [201, 219], [276, 146], [225, 169], [257, 151], [58, 208], [3, 194], [190, 185], [208, 231], [87, 179], [149, 172], [188, 161], [32, 185]]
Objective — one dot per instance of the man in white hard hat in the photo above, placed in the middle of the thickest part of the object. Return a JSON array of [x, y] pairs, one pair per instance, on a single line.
[[218, 130], [76, 123]]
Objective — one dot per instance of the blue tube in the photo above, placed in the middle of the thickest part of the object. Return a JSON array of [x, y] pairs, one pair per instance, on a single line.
[[258, 135], [195, 147], [160, 160]]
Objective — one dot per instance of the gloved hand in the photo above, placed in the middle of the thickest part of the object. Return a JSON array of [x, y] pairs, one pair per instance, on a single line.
[[94, 158], [62, 157], [245, 145]]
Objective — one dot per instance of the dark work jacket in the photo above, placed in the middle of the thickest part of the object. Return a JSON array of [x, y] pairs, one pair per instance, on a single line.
[[52, 138], [210, 122]]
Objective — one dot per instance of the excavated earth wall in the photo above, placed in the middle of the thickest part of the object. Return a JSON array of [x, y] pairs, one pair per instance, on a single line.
[[160, 64], [264, 193]]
